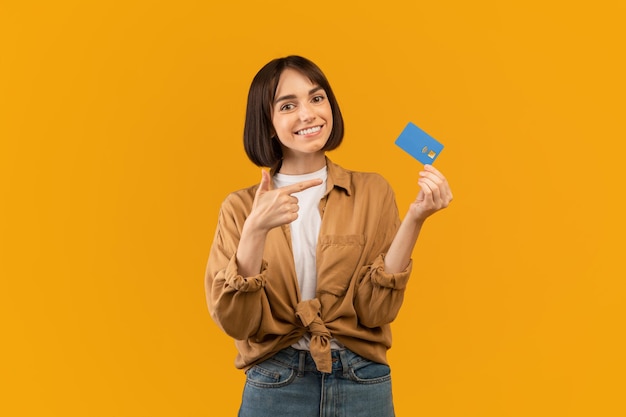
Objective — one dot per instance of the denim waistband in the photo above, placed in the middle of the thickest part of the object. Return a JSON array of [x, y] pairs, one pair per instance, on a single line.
[[302, 361]]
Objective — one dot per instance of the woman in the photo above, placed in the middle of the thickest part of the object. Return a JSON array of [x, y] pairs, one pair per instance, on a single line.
[[309, 267]]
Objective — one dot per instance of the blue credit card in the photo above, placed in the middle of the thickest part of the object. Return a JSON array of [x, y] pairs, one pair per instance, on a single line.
[[419, 144]]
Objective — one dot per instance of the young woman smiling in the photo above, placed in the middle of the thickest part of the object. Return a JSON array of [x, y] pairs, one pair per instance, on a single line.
[[309, 267]]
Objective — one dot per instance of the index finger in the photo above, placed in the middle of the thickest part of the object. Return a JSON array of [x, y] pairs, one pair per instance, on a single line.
[[434, 170], [301, 186]]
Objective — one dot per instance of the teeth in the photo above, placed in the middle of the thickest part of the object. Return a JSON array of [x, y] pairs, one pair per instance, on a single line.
[[309, 130]]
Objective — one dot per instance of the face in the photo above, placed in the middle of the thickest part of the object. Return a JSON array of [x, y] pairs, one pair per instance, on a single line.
[[302, 117]]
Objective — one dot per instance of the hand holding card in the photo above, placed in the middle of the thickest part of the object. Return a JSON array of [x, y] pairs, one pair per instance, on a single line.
[[419, 144]]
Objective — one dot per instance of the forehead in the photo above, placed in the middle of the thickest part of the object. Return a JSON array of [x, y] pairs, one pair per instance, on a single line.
[[291, 81]]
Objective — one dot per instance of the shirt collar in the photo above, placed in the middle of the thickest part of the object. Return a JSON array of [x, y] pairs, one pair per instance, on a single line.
[[338, 177]]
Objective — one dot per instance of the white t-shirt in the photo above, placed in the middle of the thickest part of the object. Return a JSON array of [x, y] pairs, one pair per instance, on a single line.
[[305, 229], [304, 233]]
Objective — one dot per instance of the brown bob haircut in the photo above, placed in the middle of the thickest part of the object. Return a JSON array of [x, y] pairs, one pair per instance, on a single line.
[[259, 140]]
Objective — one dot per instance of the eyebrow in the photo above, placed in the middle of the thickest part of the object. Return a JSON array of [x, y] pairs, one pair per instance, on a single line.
[[292, 96]]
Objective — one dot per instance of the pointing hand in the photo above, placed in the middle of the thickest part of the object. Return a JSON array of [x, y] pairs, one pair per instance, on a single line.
[[274, 207]]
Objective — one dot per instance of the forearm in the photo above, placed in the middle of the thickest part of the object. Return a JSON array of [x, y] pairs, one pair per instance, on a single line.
[[399, 253], [433, 196], [250, 249]]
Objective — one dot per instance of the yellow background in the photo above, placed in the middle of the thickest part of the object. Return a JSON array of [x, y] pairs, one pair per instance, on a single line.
[[121, 126]]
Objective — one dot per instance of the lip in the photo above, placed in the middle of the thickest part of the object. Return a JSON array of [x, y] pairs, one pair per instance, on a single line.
[[315, 133]]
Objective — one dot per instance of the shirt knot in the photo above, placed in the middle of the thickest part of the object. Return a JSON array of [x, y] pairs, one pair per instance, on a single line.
[[309, 313]]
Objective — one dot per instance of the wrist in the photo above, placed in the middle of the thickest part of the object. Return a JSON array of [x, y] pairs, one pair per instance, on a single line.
[[254, 228], [414, 219]]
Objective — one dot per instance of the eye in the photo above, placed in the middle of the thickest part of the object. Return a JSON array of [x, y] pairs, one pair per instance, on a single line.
[[318, 99], [287, 107]]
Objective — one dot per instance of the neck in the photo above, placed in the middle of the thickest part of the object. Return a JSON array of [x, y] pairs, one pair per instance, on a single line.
[[303, 164]]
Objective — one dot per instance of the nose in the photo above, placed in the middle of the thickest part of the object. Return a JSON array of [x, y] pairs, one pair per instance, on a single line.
[[306, 113]]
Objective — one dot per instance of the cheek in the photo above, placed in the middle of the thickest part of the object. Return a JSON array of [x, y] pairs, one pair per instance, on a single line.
[[280, 129], [329, 117], [277, 126], [329, 114]]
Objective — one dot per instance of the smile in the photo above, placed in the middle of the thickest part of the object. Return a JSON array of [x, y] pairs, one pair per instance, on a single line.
[[309, 130]]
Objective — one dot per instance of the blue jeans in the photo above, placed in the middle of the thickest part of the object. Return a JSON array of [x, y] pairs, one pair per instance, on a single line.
[[289, 385]]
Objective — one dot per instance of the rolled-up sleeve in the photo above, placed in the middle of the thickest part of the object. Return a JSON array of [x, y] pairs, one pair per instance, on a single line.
[[379, 294], [234, 301]]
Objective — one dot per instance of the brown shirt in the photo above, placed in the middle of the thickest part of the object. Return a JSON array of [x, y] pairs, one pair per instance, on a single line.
[[356, 299]]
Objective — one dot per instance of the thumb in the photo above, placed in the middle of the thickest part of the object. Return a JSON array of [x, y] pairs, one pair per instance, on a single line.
[[266, 182]]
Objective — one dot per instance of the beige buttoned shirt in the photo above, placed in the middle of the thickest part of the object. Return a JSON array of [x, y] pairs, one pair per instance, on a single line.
[[356, 299]]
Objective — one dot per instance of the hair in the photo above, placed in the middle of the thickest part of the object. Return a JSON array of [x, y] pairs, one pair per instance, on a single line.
[[259, 139]]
